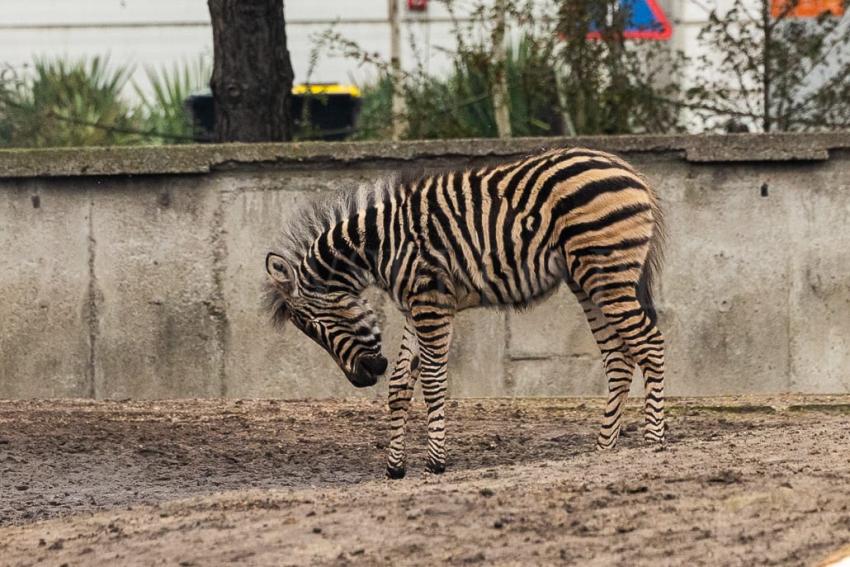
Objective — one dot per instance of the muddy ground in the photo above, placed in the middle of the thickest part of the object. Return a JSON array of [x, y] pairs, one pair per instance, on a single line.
[[741, 482]]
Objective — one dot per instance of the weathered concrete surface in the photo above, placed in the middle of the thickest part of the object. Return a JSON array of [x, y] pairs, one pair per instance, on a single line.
[[819, 279], [45, 255], [158, 160], [158, 307], [727, 300], [136, 273]]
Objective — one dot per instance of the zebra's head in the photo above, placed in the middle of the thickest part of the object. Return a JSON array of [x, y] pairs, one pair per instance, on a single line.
[[341, 323]]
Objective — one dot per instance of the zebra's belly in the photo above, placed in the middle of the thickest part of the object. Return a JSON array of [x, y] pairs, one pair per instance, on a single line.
[[509, 284]]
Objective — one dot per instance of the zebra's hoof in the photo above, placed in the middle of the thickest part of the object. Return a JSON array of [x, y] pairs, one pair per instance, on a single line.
[[658, 441], [656, 435], [394, 473], [606, 443], [435, 468]]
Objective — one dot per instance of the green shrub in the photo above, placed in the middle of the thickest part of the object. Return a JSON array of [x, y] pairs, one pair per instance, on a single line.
[[777, 73], [82, 103], [162, 108], [461, 105], [67, 103], [558, 80]]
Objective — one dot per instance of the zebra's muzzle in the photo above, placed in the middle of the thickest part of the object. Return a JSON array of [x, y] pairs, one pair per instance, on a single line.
[[367, 370]]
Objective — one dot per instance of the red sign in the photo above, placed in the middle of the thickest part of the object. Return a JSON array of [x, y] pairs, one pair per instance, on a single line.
[[417, 5], [806, 8]]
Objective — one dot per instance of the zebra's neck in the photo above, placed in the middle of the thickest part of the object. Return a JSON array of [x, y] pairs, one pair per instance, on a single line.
[[345, 256]]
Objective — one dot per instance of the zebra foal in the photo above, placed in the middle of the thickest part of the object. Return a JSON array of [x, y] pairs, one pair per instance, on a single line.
[[505, 235]]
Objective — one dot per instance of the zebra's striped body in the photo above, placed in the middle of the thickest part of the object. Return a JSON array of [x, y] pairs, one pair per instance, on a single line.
[[507, 235]]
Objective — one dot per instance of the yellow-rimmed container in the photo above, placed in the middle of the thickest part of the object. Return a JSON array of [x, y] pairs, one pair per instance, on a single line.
[[325, 111]]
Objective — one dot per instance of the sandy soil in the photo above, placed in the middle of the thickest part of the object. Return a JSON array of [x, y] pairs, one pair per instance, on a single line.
[[741, 482]]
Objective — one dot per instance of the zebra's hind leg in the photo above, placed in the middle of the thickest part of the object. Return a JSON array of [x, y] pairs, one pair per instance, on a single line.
[[645, 344], [402, 381], [650, 358], [619, 368]]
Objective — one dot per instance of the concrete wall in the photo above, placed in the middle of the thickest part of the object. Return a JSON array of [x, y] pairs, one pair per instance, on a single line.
[[135, 273]]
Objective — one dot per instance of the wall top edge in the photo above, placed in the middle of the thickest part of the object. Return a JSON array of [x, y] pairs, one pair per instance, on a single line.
[[204, 158]]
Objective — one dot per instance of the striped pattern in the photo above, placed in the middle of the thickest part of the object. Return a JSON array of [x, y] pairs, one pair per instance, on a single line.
[[506, 235]]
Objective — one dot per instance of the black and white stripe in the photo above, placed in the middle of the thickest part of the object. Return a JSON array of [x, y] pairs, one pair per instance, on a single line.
[[506, 235]]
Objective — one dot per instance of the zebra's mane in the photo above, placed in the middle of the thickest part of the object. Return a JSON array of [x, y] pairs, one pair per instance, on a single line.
[[307, 221]]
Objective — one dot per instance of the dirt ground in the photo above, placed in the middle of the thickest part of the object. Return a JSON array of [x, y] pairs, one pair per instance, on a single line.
[[745, 481]]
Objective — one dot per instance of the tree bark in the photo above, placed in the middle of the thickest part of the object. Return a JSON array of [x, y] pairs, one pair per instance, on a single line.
[[398, 108], [252, 73], [768, 67], [501, 98]]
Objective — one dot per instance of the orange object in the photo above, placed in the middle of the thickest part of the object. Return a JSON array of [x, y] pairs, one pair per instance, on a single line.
[[806, 8]]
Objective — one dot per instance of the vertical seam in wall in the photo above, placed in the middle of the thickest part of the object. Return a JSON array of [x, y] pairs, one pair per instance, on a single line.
[[789, 271], [508, 381], [790, 274], [217, 308], [92, 314]]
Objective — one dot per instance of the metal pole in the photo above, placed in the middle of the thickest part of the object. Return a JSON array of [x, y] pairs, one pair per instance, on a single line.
[[395, 66]]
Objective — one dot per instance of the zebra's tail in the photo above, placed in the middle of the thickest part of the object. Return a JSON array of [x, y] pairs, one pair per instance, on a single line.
[[654, 259]]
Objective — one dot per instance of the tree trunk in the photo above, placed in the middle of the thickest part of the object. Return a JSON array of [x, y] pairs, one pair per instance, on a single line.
[[501, 98], [398, 108], [768, 67], [252, 73]]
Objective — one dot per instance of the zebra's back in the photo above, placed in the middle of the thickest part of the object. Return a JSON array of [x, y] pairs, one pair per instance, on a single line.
[[510, 234]]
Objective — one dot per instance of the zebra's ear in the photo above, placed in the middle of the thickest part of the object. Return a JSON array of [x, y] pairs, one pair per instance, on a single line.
[[281, 272]]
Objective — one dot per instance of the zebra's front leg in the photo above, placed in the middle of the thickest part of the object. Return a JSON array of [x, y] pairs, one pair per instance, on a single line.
[[401, 384], [433, 325]]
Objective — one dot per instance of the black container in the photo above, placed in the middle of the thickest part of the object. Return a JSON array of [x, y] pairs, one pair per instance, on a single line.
[[319, 112]]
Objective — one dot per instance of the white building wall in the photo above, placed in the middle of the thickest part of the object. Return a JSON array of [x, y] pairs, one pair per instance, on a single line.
[[162, 33], [165, 32]]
